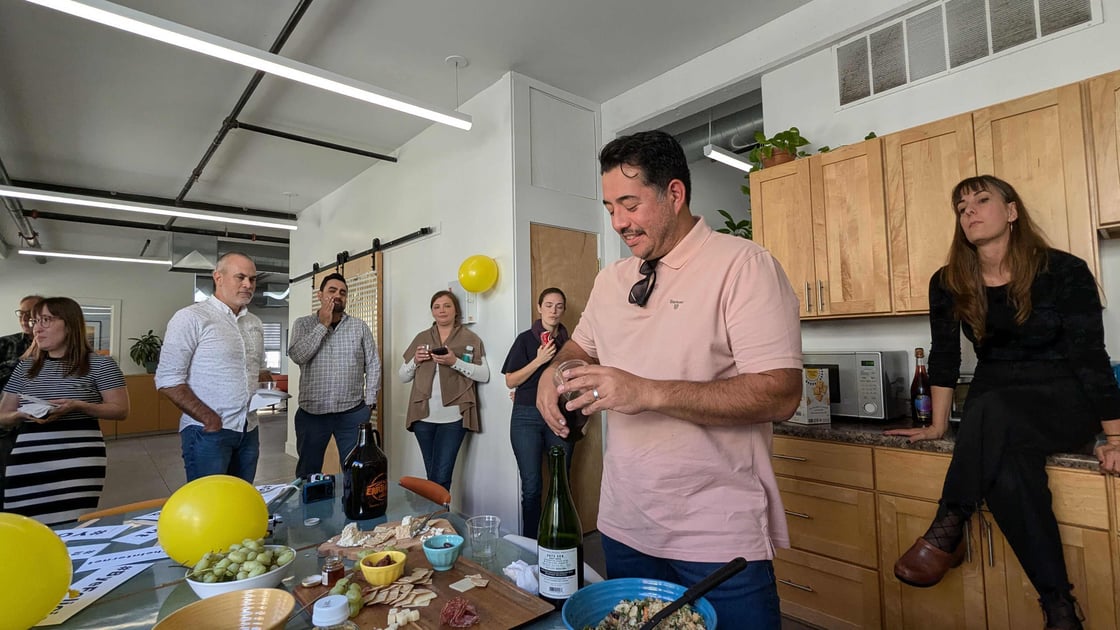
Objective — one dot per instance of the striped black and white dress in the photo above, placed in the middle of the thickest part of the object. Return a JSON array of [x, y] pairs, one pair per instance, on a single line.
[[57, 470]]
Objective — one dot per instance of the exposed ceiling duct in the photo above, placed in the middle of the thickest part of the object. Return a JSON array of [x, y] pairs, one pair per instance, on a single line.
[[196, 254], [15, 211], [734, 132]]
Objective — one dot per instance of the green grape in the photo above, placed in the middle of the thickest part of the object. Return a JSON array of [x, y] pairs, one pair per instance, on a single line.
[[355, 607]]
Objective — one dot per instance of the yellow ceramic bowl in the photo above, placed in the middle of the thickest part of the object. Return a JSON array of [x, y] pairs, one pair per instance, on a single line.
[[258, 608], [380, 576]]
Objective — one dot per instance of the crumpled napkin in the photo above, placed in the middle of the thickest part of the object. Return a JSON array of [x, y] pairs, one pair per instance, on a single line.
[[35, 407], [524, 574]]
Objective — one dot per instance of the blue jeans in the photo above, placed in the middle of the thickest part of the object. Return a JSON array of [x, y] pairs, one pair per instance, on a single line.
[[747, 600], [314, 431], [531, 439], [439, 444], [225, 452]]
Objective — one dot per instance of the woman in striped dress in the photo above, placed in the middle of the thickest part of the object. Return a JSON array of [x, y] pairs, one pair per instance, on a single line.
[[57, 469]]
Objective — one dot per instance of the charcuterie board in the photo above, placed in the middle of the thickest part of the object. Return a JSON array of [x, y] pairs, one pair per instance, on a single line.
[[332, 548], [500, 604]]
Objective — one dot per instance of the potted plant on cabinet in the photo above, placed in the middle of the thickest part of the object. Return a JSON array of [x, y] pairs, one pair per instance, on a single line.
[[145, 350], [784, 146]]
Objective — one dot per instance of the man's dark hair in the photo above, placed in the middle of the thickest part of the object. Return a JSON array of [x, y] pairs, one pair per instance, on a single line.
[[657, 154], [333, 276]]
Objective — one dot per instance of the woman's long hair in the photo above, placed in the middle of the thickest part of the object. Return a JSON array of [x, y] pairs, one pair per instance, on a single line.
[[69, 316], [1026, 256]]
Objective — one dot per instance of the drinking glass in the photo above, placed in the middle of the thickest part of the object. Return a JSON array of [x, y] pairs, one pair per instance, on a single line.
[[575, 419], [482, 531]]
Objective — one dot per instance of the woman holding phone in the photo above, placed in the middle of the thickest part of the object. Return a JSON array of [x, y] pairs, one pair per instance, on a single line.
[[443, 363], [531, 352]]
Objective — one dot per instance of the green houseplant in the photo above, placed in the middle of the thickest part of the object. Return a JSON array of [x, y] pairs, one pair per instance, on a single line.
[[145, 350], [741, 229], [783, 146]]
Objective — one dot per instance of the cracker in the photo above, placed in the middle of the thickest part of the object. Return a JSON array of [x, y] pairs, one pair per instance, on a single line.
[[463, 585]]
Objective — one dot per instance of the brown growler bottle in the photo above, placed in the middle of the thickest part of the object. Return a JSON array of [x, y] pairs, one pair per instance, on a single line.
[[365, 477]]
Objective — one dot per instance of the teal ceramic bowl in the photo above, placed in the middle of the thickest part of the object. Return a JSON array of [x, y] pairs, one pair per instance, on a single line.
[[593, 602], [439, 554]]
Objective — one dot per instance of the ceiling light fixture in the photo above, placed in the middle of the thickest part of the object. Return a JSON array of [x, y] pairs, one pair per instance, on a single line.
[[198, 41], [128, 206], [719, 154], [103, 257]]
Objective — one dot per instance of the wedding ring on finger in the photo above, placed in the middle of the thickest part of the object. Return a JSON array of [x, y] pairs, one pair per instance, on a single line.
[[595, 394]]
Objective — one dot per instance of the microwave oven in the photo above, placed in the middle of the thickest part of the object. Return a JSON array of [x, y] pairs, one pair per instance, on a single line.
[[865, 385]]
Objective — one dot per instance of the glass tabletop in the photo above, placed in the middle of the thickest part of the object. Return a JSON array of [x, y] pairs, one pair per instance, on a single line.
[[161, 589]]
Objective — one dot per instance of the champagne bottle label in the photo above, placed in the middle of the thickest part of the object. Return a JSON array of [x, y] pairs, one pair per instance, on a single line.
[[559, 577]]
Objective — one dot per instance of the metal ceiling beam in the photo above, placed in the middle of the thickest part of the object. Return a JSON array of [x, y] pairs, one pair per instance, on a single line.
[[230, 120], [158, 227], [237, 124], [112, 195]]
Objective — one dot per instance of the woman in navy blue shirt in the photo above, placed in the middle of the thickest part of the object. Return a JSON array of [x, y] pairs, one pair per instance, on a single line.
[[531, 438]]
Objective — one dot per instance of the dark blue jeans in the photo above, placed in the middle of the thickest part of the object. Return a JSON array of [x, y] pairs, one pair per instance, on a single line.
[[747, 600], [225, 452], [314, 431], [439, 444], [531, 439]]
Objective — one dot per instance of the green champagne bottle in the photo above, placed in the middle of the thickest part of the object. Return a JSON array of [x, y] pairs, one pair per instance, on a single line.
[[560, 537]]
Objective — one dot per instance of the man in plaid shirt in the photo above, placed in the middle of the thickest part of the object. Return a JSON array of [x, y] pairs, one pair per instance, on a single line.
[[340, 375]]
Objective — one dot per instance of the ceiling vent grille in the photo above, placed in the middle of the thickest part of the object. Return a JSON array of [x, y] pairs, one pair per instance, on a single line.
[[946, 35]]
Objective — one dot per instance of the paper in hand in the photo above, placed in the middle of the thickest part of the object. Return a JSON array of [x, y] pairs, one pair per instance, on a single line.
[[35, 407]]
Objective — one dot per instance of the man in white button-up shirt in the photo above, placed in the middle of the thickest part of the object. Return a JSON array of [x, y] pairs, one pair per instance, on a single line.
[[210, 364]]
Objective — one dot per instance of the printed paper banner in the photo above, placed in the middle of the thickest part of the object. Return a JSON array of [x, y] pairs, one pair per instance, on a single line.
[[271, 490], [90, 589], [139, 537], [150, 516], [82, 552], [92, 533], [150, 554]]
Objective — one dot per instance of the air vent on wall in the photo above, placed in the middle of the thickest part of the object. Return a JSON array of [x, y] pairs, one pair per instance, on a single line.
[[947, 35]]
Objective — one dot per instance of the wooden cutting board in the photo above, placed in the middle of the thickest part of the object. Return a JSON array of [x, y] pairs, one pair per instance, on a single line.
[[331, 548], [500, 604]]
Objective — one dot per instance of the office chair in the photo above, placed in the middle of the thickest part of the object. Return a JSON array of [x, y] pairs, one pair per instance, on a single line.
[[121, 509]]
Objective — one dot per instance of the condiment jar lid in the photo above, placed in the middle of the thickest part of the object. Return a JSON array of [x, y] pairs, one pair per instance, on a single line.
[[330, 611]]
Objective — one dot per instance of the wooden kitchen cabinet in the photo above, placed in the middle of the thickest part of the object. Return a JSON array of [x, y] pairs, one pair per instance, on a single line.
[[824, 219], [149, 411], [831, 520], [825, 592], [782, 218], [956, 602], [1037, 143], [1104, 103], [921, 166]]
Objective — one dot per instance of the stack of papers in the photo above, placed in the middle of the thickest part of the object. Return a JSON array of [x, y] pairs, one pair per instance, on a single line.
[[35, 407], [265, 397]]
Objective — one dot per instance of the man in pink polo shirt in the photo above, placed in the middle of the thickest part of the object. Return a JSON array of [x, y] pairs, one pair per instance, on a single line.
[[694, 348]]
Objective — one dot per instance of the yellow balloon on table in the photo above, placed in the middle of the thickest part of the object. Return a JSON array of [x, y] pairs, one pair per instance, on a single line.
[[478, 273], [210, 514], [34, 571]]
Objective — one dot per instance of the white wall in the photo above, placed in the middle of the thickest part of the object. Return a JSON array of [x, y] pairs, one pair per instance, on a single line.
[[461, 184], [716, 186], [149, 294]]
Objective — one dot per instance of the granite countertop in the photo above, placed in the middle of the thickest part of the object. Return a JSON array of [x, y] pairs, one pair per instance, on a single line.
[[871, 434]]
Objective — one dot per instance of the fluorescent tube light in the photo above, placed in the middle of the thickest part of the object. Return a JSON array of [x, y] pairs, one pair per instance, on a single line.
[[723, 155], [198, 41], [128, 206], [104, 257]]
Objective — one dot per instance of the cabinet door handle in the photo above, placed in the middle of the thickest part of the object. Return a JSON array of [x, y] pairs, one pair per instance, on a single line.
[[987, 527], [801, 587], [792, 458], [808, 298], [820, 296], [968, 541]]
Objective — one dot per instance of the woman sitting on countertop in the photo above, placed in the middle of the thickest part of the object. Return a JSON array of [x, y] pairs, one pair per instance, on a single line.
[[1043, 385]]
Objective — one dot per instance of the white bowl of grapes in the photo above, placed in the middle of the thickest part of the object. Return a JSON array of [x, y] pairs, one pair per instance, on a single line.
[[250, 564]]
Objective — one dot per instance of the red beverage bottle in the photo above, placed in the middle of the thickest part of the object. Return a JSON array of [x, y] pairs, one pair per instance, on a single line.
[[921, 404]]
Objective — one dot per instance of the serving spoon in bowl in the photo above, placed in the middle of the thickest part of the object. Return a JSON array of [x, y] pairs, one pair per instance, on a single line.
[[719, 576]]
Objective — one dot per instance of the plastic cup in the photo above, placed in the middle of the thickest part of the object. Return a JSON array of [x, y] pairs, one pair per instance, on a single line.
[[482, 532]]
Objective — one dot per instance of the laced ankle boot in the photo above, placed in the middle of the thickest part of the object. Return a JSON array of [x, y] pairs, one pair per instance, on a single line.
[[1062, 611]]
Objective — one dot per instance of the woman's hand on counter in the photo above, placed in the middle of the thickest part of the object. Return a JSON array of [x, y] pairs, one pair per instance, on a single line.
[[932, 432], [1109, 456]]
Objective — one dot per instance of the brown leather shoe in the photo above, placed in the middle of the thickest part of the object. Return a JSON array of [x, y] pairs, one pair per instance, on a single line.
[[923, 565]]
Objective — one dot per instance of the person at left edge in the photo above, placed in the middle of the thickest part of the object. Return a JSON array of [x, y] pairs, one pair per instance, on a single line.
[[339, 377], [12, 348], [209, 366]]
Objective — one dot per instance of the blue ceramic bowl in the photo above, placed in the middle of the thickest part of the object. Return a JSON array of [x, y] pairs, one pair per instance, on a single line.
[[443, 558], [592, 603]]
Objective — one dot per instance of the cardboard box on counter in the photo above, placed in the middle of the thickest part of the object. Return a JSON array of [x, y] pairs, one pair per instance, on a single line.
[[815, 407]]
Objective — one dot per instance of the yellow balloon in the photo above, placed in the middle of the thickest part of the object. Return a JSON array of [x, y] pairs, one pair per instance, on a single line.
[[478, 273], [34, 571], [210, 514]]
